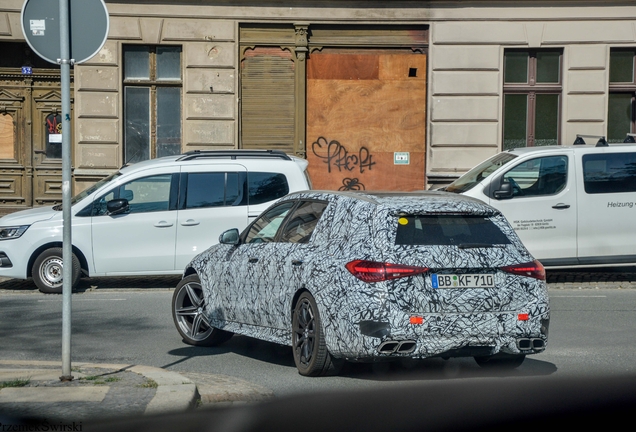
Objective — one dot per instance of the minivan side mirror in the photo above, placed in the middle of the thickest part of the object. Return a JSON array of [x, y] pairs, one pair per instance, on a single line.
[[230, 236], [505, 191], [117, 206]]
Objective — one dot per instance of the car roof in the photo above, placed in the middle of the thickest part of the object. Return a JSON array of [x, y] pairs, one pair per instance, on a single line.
[[573, 147], [419, 201], [215, 157]]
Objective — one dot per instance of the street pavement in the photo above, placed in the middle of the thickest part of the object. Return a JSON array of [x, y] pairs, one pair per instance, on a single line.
[[33, 389]]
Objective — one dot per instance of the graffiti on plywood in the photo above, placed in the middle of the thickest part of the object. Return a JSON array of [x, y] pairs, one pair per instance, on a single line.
[[336, 155]]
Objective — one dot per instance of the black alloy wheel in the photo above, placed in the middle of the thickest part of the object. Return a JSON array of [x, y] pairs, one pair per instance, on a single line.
[[188, 313], [308, 342]]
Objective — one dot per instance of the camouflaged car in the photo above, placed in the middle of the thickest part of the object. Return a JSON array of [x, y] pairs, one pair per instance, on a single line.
[[370, 276]]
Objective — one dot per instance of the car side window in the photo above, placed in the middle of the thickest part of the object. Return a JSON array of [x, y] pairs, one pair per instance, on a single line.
[[205, 190], [302, 222], [538, 177], [147, 194], [609, 173], [266, 186], [264, 229]]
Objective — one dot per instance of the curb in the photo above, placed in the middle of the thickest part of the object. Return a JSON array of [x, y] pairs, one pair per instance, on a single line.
[[174, 391]]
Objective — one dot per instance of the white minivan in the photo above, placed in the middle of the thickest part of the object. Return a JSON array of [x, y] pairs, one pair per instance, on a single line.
[[149, 218], [570, 205]]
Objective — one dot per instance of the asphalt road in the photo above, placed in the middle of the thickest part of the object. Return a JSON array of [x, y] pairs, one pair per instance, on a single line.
[[592, 333]]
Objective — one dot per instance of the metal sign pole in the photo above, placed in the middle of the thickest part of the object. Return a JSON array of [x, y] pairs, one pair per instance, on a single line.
[[67, 250], [83, 30]]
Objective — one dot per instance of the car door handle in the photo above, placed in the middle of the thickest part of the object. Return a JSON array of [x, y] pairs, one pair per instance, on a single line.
[[252, 260], [163, 224], [190, 222], [561, 206], [297, 262]]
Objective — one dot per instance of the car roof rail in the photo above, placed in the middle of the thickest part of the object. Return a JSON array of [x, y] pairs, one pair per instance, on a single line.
[[602, 142], [233, 154]]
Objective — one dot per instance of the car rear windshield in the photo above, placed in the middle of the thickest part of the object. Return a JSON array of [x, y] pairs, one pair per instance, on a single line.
[[463, 230]]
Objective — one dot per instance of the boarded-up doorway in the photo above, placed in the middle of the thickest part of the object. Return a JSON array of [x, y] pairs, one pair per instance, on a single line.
[[366, 120]]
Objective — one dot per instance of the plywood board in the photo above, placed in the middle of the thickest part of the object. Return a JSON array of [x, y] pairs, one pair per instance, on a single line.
[[7, 137], [354, 125]]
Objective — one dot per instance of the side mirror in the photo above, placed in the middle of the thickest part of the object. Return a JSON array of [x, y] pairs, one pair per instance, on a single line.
[[230, 236], [505, 191], [117, 206]]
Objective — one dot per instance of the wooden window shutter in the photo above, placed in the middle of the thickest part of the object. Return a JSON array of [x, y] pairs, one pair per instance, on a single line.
[[267, 99]]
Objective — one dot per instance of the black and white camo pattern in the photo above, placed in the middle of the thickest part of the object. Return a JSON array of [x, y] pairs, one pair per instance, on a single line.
[[256, 298]]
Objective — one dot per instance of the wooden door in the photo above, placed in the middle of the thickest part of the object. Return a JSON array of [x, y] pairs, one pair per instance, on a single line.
[[47, 145]]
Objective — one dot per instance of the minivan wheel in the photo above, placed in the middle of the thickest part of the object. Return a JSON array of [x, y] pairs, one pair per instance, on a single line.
[[188, 313], [47, 271], [308, 341], [501, 361]]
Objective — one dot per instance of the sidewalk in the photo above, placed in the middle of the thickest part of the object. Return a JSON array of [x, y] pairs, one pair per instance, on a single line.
[[33, 390]]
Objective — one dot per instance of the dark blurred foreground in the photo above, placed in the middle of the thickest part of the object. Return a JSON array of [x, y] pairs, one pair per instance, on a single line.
[[479, 405]]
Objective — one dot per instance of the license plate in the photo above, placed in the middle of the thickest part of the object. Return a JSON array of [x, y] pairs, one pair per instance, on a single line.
[[462, 280]]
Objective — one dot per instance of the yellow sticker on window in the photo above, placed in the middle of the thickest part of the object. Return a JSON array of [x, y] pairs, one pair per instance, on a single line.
[[403, 221]]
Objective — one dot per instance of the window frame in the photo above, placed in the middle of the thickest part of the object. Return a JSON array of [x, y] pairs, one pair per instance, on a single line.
[[531, 88], [620, 87], [153, 84]]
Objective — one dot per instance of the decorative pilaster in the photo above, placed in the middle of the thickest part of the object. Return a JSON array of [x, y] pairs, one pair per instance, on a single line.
[[301, 50]]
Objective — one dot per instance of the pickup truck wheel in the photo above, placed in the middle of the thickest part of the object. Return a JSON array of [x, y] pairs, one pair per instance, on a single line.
[[48, 268]]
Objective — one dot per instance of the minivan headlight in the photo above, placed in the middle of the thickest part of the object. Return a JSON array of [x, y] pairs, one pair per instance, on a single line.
[[13, 232]]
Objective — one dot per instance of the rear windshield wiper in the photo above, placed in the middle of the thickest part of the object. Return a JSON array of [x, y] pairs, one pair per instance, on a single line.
[[479, 245]]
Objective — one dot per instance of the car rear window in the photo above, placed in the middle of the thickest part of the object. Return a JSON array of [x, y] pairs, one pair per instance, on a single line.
[[459, 230]]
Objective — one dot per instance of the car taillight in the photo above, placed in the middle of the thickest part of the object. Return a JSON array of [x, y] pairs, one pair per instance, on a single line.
[[532, 269], [373, 271]]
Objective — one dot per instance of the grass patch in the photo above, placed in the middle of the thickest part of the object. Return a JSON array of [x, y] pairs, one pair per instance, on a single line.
[[149, 383], [93, 379], [112, 379], [90, 378], [15, 383]]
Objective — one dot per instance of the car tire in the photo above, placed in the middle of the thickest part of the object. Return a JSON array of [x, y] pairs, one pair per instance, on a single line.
[[188, 313], [308, 341], [501, 361], [47, 271]]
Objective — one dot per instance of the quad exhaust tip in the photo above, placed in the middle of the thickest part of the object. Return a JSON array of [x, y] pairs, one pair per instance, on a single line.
[[397, 346], [534, 344]]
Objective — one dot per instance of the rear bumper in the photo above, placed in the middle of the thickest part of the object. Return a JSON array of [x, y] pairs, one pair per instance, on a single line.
[[452, 335]]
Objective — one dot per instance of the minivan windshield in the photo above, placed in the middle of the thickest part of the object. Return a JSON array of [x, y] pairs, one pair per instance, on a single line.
[[480, 172]]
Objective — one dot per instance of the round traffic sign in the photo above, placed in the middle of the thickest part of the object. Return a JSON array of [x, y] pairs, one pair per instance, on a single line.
[[88, 28]]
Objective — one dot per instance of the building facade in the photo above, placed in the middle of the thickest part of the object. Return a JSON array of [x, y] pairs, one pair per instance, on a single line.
[[376, 95]]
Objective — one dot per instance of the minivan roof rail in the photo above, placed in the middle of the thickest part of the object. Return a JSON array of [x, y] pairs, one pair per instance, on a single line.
[[233, 154]]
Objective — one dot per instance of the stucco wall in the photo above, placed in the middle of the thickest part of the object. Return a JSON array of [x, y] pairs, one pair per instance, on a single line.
[[464, 104]]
